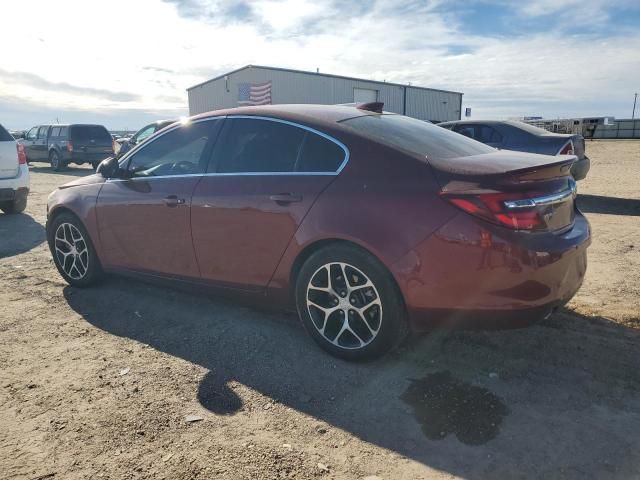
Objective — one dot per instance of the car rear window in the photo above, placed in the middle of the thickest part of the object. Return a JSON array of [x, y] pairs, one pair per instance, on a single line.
[[85, 133], [4, 135], [416, 136]]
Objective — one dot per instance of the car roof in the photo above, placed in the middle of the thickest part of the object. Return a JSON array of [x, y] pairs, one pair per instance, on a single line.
[[327, 114]]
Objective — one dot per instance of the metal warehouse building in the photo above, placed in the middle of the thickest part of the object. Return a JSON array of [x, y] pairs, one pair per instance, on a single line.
[[257, 85]]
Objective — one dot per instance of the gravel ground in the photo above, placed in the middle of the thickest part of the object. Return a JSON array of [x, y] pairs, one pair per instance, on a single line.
[[100, 383]]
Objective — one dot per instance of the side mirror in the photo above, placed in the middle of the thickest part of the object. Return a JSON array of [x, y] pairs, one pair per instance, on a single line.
[[109, 167]]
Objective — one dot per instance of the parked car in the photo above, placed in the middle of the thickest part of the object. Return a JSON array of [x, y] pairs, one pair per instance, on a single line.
[[14, 174], [61, 145], [18, 134], [141, 135], [368, 224], [522, 137]]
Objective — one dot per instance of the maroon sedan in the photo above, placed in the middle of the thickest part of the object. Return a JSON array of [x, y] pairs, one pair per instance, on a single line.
[[370, 224]]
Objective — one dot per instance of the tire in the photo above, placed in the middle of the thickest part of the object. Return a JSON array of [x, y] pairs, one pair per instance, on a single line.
[[56, 162], [17, 205], [69, 243], [370, 291]]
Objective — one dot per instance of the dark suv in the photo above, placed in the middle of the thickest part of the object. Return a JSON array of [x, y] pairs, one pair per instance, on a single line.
[[61, 145]]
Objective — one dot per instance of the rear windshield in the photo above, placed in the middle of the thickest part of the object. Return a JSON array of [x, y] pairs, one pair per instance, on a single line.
[[416, 136], [4, 135], [85, 133], [529, 128]]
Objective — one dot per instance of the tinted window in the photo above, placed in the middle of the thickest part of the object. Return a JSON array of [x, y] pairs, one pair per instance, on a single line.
[[466, 130], [416, 136], [486, 134], [55, 132], [86, 133], [319, 155], [42, 132], [4, 135], [253, 145], [178, 152]]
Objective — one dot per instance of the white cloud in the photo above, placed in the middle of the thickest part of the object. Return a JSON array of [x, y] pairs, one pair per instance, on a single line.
[[145, 48]]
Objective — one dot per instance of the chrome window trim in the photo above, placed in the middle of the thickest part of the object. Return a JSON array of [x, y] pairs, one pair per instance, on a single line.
[[237, 174]]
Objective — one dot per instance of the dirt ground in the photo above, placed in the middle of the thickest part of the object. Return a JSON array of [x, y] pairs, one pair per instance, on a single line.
[[98, 383]]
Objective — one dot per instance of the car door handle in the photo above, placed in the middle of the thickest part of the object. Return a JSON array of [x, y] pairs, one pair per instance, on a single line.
[[285, 198], [173, 201]]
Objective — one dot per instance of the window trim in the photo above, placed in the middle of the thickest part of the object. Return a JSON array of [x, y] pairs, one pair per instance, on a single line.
[[130, 153]]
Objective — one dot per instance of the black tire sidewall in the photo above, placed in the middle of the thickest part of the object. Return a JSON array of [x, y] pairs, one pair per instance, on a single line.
[[57, 166], [393, 326], [94, 272]]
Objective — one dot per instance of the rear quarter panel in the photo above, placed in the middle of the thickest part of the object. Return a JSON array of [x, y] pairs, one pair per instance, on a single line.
[[384, 201]]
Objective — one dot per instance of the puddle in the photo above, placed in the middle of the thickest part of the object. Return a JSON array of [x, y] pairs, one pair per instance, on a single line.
[[444, 405]]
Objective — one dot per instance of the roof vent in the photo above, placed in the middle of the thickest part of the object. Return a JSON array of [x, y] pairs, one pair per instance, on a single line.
[[371, 106]]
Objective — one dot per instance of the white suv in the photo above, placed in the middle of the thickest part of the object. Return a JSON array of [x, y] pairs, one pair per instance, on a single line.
[[14, 174]]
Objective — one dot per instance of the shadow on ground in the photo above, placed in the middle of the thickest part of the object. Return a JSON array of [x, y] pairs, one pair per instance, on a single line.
[[72, 170], [19, 233], [609, 205], [557, 400]]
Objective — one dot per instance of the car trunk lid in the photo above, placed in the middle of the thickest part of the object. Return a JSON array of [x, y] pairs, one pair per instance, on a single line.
[[91, 139], [9, 165]]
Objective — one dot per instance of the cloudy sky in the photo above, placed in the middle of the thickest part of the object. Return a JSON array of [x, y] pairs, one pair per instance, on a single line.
[[123, 63]]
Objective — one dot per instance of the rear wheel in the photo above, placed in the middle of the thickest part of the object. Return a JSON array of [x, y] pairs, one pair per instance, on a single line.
[[72, 251], [349, 303], [55, 161]]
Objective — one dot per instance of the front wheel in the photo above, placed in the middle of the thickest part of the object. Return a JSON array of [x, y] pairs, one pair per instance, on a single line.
[[72, 250], [349, 303]]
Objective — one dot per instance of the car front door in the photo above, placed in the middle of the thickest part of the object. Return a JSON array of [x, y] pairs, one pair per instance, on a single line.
[[144, 219], [29, 143], [263, 177]]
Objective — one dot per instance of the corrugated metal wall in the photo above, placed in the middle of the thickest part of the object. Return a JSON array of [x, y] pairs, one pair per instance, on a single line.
[[626, 128], [295, 87]]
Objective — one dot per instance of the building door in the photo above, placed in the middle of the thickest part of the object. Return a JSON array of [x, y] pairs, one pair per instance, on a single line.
[[364, 95]]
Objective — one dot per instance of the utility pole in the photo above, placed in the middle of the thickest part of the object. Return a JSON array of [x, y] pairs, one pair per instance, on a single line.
[[635, 97]]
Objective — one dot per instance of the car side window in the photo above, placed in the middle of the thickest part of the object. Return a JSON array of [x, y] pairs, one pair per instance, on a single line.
[[63, 131], [32, 134], [319, 154], [55, 132], [42, 132], [466, 130], [146, 132], [250, 145], [178, 152], [486, 134]]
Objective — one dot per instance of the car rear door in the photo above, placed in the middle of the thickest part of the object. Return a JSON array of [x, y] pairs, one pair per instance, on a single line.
[[40, 147], [264, 176], [144, 220]]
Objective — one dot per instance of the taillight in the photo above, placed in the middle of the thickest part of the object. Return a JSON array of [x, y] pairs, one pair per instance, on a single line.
[[69, 147], [493, 208], [567, 149], [22, 157]]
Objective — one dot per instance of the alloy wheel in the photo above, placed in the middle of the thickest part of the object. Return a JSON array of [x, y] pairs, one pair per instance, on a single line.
[[71, 250], [344, 305]]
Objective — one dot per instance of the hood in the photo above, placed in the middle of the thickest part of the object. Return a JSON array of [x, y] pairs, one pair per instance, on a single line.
[[88, 180]]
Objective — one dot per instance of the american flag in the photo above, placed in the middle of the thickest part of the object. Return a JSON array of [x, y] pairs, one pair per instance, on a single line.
[[254, 93]]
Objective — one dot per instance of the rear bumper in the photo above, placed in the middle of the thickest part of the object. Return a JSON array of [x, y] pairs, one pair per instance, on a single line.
[[83, 157], [580, 168], [458, 277]]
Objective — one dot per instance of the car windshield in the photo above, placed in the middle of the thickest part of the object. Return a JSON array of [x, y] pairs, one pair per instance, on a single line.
[[85, 133], [4, 135], [416, 136]]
